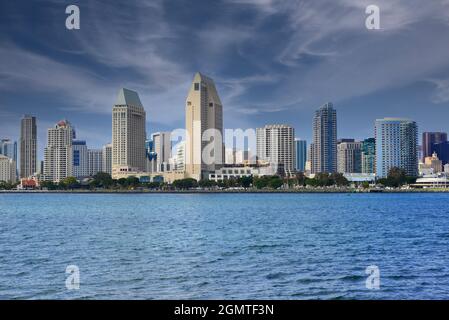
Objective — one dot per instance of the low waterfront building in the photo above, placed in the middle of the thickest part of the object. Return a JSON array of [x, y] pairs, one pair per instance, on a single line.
[[236, 172], [360, 177], [432, 181]]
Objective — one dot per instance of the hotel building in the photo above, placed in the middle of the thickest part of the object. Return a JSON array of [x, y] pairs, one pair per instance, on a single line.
[[28, 146]]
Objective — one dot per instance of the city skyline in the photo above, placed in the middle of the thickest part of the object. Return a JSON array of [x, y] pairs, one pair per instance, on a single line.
[[285, 82]]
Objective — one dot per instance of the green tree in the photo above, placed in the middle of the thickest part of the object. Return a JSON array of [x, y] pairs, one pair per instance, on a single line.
[[275, 182], [103, 180], [301, 179], [69, 183], [339, 179], [185, 184], [396, 177], [245, 182]]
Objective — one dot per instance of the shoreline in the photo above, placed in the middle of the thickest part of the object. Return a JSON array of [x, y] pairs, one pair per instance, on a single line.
[[249, 191]]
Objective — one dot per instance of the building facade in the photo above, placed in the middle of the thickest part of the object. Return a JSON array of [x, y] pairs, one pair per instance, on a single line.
[[107, 158], [58, 155], [7, 169], [349, 157], [369, 156], [8, 148], [396, 146], [300, 155], [324, 145], [429, 139], [275, 145], [162, 147], [80, 160], [95, 161], [128, 133], [204, 149], [28, 146]]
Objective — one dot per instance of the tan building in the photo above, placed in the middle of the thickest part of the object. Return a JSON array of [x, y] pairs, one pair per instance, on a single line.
[[434, 163], [128, 133], [7, 169], [58, 155], [349, 157], [204, 121]]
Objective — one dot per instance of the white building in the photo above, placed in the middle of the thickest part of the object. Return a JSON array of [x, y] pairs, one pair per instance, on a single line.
[[396, 146], [107, 158], [95, 161], [178, 161], [7, 169], [162, 147], [275, 144], [58, 155], [236, 172], [128, 133]]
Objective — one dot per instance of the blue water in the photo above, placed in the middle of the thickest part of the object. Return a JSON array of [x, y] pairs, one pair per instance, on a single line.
[[224, 246]]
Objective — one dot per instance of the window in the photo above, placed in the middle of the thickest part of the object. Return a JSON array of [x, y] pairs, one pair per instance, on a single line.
[[197, 86]]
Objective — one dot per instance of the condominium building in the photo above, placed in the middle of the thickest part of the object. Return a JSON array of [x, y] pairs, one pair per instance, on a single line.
[[429, 139], [8, 148], [107, 158], [95, 161], [128, 133], [180, 158], [324, 146], [349, 157], [7, 169], [300, 155], [80, 160], [275, 144], [204, 147], [162, 147], [58, 155], [396, 146], [369, 155], [28, 146]]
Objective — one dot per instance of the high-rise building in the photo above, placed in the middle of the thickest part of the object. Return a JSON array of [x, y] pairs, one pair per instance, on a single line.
[[324, 146], [275, 144], [396, 146], [162, 147], [369, 155], [7, 169], [28, 146], [58, 155], [80, 160], [179, 161], [429, 139], [107, 158], [300, 155], [204, 147], [442, 150], [95, 161], [434, 163], [349, 157], [128, 133], [8, 148]]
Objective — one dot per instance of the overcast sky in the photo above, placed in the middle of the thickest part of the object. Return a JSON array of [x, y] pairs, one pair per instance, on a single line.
[[272, 61]]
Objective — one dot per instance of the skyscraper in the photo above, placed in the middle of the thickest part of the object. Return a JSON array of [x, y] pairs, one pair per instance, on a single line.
[[58, 155], [300, 155], [324, 146], [204, 128], [349, 157], [8, 148], [275, 144], [95, 161], [369, 155], [442, 150], [429, 139], [162, 148], [396, 146], [80, 160], [28, 146], [107, 158], [128, 133]]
